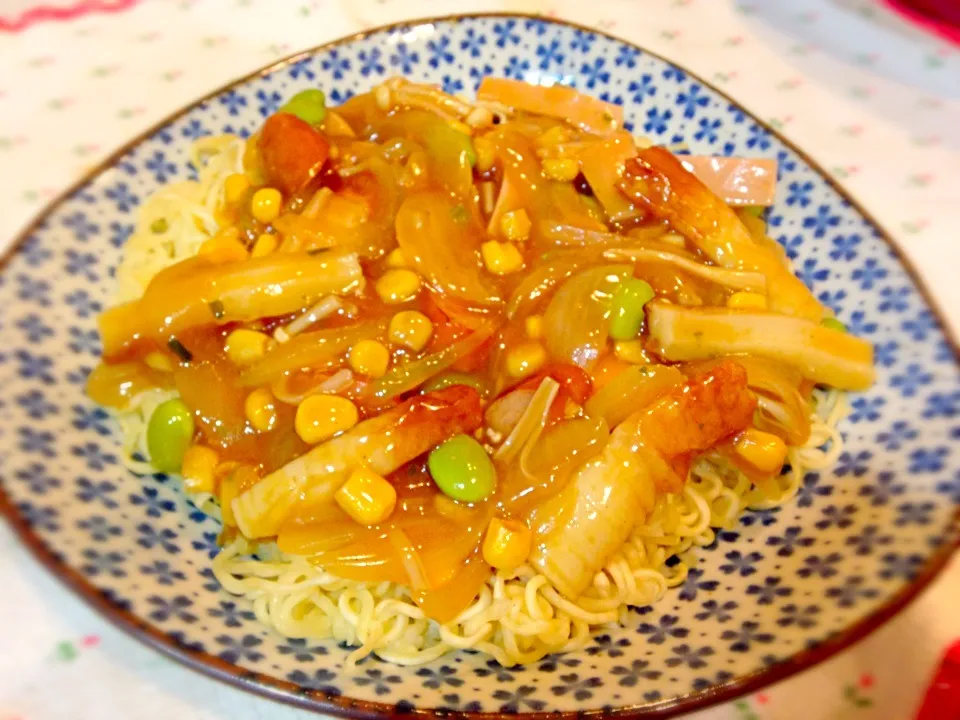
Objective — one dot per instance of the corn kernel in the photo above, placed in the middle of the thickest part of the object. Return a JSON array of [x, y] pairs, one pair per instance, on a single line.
[[398, 286], [199, 464], [747, 300], [366, 497], [369, 357], [234, 188], [159, 361], [554, 136], [320, 417], [245, 347], [534, 326], [501, 258], [485, 154], [265, 204], [506, 544], [525, 359], [631, 351], [225, 246], [261, 410], [764, 451], [410, 329], [515, 225], [561, 169], [265, 244], [396, 259]]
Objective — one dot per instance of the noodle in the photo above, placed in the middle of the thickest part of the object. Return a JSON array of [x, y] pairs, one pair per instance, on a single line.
[[517, 617], [520, 618]]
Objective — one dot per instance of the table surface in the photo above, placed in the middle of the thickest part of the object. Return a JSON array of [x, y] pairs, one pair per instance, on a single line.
[[875, 101]]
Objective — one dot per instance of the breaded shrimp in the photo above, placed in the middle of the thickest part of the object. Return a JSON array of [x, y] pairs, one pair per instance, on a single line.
[[657, 181], [610, 495]]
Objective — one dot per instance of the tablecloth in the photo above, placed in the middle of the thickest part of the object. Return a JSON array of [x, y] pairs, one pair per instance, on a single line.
[[876, 101]]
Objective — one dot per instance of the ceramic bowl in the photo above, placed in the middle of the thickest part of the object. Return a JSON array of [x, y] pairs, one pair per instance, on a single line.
[[781, 591]]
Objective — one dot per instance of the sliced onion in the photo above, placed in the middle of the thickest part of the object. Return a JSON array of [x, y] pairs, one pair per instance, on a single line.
[[632, 390], [548, 463], [545, 277], [323, 309], [319, 349], [531, 423], [570, 235], [444, 251], [575, 326], [735, 279], [329, 384], [411, 375], [410, 559], [505, 412]]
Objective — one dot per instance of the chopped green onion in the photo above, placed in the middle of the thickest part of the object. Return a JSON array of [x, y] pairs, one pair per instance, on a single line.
[[216, 308], [159, 226], [308, 105], [454, 378], [833, 324], [460, 214], [179, 350]]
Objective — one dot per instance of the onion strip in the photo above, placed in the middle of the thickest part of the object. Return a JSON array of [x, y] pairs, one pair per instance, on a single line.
[[735, 279], [531, 423]]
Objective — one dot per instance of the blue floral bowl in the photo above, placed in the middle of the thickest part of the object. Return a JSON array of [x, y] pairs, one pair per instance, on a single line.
[[780, 592]]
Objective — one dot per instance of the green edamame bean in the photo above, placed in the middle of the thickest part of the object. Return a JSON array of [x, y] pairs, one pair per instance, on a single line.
[[454, 378], [626, 308], [833, 324], [169, 434], [462, 470], [308, 105]]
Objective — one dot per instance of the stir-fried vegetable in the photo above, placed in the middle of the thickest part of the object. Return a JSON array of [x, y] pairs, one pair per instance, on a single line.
[[382, 444], [531, 422], [443, 250], [634, 387], [202, 292], [602, 164], [733, 279], [658, 181], [319, 349], [413, 374], [575, 323], [822, 354]]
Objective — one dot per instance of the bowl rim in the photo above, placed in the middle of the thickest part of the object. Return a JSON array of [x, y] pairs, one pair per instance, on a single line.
[[289, 693]]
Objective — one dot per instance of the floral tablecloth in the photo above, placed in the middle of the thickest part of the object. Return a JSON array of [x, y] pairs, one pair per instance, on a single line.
[[875, 101]]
